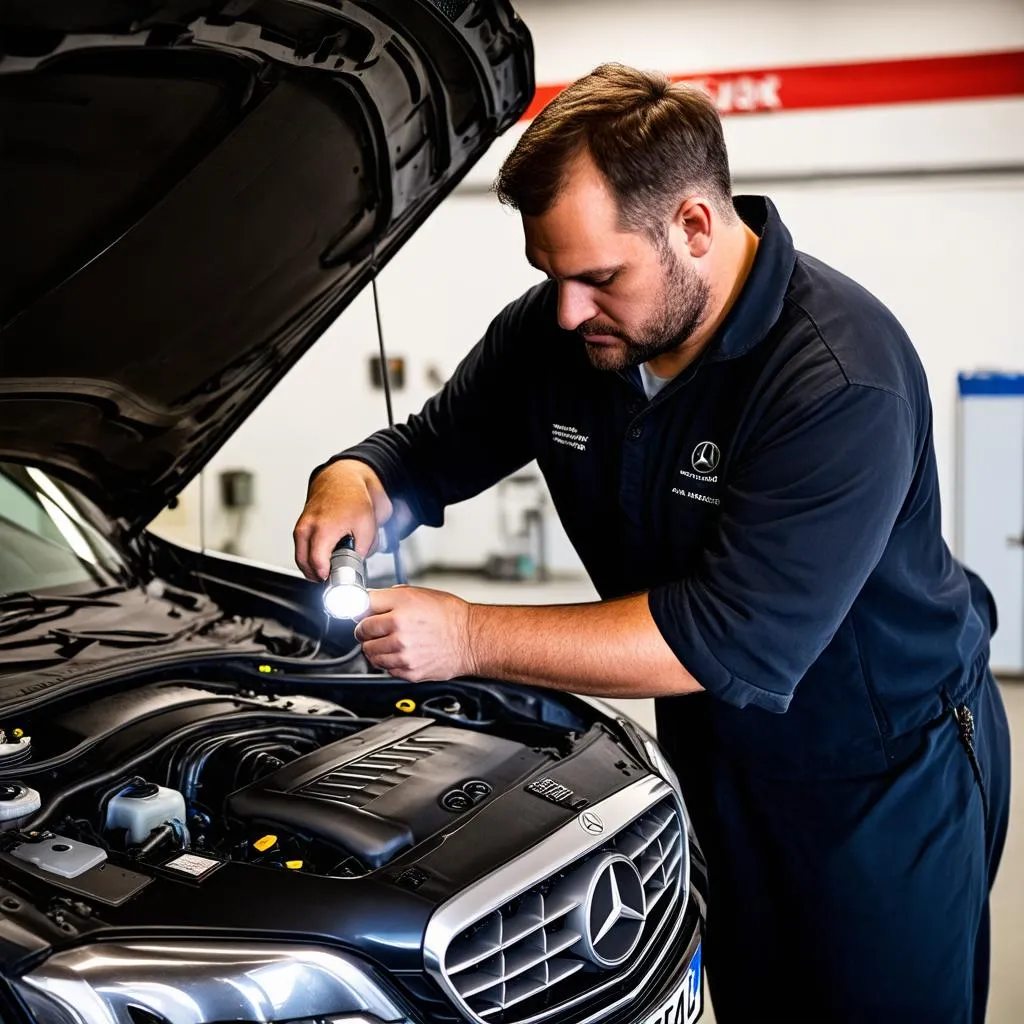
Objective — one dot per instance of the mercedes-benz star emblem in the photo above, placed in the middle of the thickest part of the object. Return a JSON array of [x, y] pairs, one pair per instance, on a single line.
[[612, 909], [591, 823], [706, 457]]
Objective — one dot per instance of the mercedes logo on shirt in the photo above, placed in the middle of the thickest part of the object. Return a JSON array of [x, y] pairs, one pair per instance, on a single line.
[[706, 457], [612, 910]]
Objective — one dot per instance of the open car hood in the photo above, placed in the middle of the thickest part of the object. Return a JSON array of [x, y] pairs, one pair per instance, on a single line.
[[192, 193]]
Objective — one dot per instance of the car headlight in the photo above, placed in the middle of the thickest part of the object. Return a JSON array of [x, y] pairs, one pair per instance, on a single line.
[[202, 982]]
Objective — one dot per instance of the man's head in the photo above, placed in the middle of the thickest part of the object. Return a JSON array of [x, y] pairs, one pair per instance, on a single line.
[[622, 181]]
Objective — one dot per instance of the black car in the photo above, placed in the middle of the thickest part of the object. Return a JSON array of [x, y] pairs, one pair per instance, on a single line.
[[210, 810]]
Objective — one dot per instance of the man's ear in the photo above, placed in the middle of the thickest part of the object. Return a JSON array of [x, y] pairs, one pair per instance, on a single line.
[[693, 223]]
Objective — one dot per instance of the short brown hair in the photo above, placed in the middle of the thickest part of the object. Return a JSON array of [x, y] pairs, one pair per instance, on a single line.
[[652, 139]]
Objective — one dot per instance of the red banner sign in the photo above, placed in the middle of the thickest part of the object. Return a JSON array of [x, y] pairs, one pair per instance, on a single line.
[[883, 82]]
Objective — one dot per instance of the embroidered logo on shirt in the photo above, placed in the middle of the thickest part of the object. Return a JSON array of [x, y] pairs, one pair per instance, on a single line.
[[706, 457], [705, 460], [570, 436]]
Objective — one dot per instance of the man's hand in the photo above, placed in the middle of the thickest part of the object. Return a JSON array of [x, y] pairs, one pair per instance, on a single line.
[[417, 634], [345, 498], [605, 648]]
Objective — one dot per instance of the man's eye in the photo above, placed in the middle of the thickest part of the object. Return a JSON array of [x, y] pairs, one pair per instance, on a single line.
[[602, 282]]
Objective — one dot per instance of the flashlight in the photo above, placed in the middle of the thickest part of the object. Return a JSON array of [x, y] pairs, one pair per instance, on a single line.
[[345, 595]]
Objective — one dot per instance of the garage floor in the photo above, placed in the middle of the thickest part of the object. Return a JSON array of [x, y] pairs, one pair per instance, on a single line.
[[1006, 1003]]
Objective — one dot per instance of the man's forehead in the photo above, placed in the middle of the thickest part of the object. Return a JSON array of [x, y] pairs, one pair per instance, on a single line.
[[567, 267], [575, 247]]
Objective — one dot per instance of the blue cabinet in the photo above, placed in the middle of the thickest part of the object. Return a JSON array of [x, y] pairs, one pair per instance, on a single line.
[[990, 501]]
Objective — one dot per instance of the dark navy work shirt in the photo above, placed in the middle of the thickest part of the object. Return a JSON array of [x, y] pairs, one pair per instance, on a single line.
[[778, 500]]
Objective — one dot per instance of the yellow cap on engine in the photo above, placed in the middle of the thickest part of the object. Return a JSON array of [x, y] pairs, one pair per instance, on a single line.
[[295, 865], [18, 733], [406, 705], [266, 668], [264, 843]]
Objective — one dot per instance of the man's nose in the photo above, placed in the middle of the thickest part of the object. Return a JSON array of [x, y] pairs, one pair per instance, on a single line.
[[575, 306]]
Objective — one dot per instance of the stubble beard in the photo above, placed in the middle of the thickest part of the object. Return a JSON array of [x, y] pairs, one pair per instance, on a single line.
[[684, 303]]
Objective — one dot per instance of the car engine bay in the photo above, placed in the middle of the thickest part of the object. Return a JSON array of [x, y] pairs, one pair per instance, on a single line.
[[228, 806], [297, 782]]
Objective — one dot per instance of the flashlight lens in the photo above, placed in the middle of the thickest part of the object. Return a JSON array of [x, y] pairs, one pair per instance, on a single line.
[[346, 601]]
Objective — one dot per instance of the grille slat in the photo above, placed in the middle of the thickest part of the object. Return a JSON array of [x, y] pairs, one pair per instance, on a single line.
[[518, 962], [526, 956], [559, 970], [631, 845], [654, 899], [526, 985], [528, 919], [482, 981], [659, 863]]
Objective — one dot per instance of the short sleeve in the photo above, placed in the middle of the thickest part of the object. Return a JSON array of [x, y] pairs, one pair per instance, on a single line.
[[805, 518]]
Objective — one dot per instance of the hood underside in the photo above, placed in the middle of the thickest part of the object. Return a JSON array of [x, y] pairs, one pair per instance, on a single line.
[[194, 192]]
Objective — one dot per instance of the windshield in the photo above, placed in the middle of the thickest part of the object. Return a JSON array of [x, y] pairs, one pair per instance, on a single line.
[[45, 541]]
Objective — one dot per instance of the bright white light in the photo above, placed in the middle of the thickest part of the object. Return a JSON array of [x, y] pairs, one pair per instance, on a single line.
[[56, 494], [346, 601], [71, 533]]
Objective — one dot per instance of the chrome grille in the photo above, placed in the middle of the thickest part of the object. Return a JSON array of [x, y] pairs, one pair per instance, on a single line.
[[360, 782], [524, 960], [515, 955]]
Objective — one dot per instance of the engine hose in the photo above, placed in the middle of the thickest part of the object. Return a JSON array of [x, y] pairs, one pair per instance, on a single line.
[[62, 796], [157, 838], [80, 749], [189, 765], [302, 662]]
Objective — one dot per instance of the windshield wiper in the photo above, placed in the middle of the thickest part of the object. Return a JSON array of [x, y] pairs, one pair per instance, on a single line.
[[26, 609], [26, 599], [126, 637]]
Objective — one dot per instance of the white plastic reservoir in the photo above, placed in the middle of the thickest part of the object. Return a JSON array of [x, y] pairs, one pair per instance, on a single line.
[[144, 807]]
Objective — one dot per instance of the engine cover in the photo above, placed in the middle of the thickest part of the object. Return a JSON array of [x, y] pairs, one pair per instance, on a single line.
[[374, 794]]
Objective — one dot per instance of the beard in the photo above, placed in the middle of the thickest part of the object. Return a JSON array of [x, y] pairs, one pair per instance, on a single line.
[[683, 307]]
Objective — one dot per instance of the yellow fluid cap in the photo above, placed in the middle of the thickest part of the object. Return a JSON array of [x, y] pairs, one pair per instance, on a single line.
[[265, 843], [18, 733], [265, 668], [295, 865], [406, 705]]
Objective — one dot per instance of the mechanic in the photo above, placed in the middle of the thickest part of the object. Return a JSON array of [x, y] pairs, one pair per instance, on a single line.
[[738, 441]]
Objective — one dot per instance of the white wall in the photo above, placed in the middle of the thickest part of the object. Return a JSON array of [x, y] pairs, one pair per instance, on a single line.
[[946, 253]]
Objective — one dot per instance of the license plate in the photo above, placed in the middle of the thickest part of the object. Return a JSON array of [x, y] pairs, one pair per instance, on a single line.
[[685, 1004]]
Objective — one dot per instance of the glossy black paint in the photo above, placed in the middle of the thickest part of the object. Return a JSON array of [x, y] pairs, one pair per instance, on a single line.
[[192, 197]]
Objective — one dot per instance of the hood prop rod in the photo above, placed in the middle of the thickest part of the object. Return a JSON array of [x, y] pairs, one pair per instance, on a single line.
[[392, 536]]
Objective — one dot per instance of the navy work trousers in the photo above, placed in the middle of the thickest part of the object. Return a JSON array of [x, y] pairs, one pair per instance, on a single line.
[[860, 901]]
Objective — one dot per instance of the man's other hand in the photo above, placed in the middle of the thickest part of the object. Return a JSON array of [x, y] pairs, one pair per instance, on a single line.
[[418, 634]]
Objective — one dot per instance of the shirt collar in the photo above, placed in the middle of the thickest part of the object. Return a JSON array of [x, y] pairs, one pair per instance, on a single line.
[[759, 304]]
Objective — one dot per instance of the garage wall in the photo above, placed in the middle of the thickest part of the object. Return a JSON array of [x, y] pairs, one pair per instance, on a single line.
[[922, 203]]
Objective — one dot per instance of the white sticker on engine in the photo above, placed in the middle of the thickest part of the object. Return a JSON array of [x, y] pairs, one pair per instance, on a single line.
[[190, 864]]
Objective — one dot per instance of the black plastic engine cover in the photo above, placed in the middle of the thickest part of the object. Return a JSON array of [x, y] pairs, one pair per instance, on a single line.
[[379, 792]]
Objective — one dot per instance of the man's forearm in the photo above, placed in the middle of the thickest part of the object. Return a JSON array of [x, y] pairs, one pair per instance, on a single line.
[[605, 649]]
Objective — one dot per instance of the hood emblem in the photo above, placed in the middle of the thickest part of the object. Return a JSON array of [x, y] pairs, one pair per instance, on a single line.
[[591, 823]]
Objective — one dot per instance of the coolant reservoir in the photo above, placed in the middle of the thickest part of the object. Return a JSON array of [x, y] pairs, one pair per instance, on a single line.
[[142, 807], [17, 801]]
